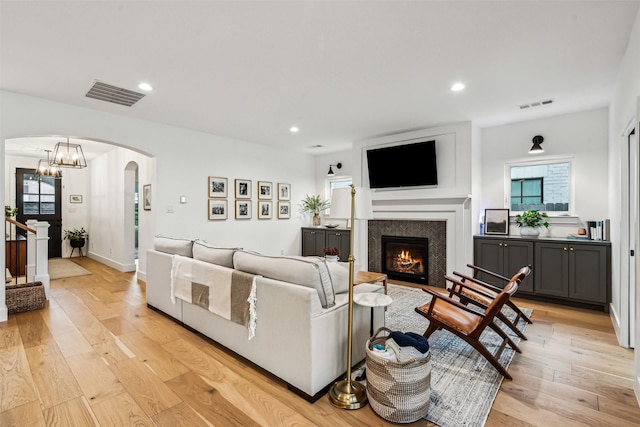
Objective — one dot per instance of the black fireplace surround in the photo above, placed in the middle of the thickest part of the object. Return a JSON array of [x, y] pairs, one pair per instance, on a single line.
[[406, 258]]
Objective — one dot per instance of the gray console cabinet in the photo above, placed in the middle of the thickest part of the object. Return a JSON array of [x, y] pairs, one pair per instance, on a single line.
[[564, 271], [505, 257], [315, 239]]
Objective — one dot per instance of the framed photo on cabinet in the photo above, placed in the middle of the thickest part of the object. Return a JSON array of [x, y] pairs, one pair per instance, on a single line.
[[496, 221]]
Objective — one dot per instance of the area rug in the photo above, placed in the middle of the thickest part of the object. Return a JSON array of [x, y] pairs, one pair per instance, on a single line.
[[463, 384], [59, 268]]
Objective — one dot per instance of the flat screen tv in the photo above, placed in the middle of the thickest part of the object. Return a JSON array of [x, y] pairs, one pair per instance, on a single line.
[[408, 165]]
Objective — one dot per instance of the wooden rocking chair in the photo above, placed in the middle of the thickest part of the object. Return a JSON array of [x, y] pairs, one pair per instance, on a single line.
[[444, 312], [476, 292]]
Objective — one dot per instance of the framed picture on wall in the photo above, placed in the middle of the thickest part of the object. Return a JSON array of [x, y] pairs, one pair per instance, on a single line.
[[217, 209], [243, 188], [265, 190], [243, 209], [265, 210], [217, 187], [496, 221], [75, 198], [284, 191], [284, 210], [146, 197]]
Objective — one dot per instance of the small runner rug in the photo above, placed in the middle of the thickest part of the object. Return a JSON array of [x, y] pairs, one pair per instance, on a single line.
[[463, 384], [59, 268]]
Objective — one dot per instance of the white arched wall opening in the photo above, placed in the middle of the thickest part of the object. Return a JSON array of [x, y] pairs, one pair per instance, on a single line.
[[130, 230], [112, 171]]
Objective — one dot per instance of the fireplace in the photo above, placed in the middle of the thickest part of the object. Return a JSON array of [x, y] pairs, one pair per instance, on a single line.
[[406, 258]]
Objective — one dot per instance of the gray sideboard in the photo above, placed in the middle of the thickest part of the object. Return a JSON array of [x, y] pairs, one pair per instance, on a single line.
[[565, 271]]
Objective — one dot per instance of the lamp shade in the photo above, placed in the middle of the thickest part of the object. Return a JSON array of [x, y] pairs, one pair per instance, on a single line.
[[341, 203]]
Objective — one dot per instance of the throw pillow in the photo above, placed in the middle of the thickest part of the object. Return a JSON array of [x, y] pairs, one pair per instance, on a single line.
[[205, 252], [173, 245]]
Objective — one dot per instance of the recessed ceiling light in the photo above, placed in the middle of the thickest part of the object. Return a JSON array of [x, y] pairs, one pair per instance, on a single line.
[[145, 86], [457, 87], [294, 129]]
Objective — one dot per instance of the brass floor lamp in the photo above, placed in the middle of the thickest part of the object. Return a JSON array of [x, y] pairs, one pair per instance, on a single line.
[[354, 204]]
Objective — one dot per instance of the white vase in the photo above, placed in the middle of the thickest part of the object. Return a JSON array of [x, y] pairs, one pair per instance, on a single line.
[[530, 231], [331, 258]]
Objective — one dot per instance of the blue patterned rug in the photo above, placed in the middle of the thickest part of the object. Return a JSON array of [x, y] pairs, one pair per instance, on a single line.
[[459, 375]]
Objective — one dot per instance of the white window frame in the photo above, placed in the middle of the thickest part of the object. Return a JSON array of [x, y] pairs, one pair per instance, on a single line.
[[537, 162], [327, 188]]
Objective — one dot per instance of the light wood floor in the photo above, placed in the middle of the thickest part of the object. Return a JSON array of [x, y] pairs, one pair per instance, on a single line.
[[96, 355]]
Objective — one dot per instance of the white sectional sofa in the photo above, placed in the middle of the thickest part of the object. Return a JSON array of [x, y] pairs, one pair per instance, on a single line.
[[301, 326]]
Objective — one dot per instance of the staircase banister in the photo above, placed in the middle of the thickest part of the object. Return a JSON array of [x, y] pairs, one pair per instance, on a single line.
[[20, 225]]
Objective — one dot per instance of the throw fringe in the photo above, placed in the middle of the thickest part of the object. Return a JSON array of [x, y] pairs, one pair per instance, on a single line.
[[253, 314]]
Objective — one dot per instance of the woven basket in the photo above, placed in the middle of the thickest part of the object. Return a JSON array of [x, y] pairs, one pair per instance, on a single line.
[[398, 392], [25, 297]]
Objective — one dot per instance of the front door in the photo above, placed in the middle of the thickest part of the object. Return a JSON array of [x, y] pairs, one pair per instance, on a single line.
[[40, 198]]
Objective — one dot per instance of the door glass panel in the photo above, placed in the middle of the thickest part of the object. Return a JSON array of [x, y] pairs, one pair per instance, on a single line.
[[47, 186], [38, 195]]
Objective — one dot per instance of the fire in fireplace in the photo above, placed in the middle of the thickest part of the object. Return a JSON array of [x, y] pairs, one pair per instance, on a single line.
[[406, 258]]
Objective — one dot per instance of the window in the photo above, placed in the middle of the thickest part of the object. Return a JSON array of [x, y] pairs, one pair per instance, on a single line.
[[542, 185]]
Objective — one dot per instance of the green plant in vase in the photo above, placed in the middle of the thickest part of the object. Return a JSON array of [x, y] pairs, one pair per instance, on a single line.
[[530, 222], [314, 204]]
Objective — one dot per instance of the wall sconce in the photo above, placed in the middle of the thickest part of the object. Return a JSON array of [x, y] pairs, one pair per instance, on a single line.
[[331, 173], [536, 148]]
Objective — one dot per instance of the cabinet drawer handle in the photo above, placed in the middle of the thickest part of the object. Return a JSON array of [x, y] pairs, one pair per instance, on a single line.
[[564, 249], [338, 234], [500, 244], [313, 232], [571, 249], [505, 245]]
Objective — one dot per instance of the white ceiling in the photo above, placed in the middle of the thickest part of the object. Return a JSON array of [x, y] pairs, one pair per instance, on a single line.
[[340, 71]]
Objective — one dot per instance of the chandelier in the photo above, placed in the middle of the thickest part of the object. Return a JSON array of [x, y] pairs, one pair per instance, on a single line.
[[67, 155], [45, 168]]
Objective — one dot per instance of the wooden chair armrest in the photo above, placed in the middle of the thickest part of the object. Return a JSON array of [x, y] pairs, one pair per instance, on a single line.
[[475, 290], [451, 301], [479, 282], [490, 273]]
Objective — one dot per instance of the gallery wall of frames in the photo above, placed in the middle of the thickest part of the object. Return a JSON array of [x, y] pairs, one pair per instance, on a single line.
[[268, 198]]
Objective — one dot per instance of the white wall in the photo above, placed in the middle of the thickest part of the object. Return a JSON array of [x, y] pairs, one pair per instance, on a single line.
[[624, 112], [183, 161], [581, 136]]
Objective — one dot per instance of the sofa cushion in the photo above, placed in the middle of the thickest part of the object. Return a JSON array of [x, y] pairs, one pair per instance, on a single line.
[[173, 245], [339, 276], [311, 272], [203, 251]]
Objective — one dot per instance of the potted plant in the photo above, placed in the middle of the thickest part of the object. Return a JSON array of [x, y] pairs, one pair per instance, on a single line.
[[76, 237], [531, 221], [10, 213], [314, 204], [331, 254]]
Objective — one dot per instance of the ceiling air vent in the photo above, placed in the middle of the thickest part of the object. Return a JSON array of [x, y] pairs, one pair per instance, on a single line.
[[536, 104], [114, 94]]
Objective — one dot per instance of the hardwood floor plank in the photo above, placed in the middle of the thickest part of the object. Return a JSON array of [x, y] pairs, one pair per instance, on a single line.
[[149, 392], [17, 386], [33, 329], [525, 385], [28, 414], [74, 412], [96, 380], [163, 363], [120, 410], [51, 373], [180, 415], [208, 401]]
